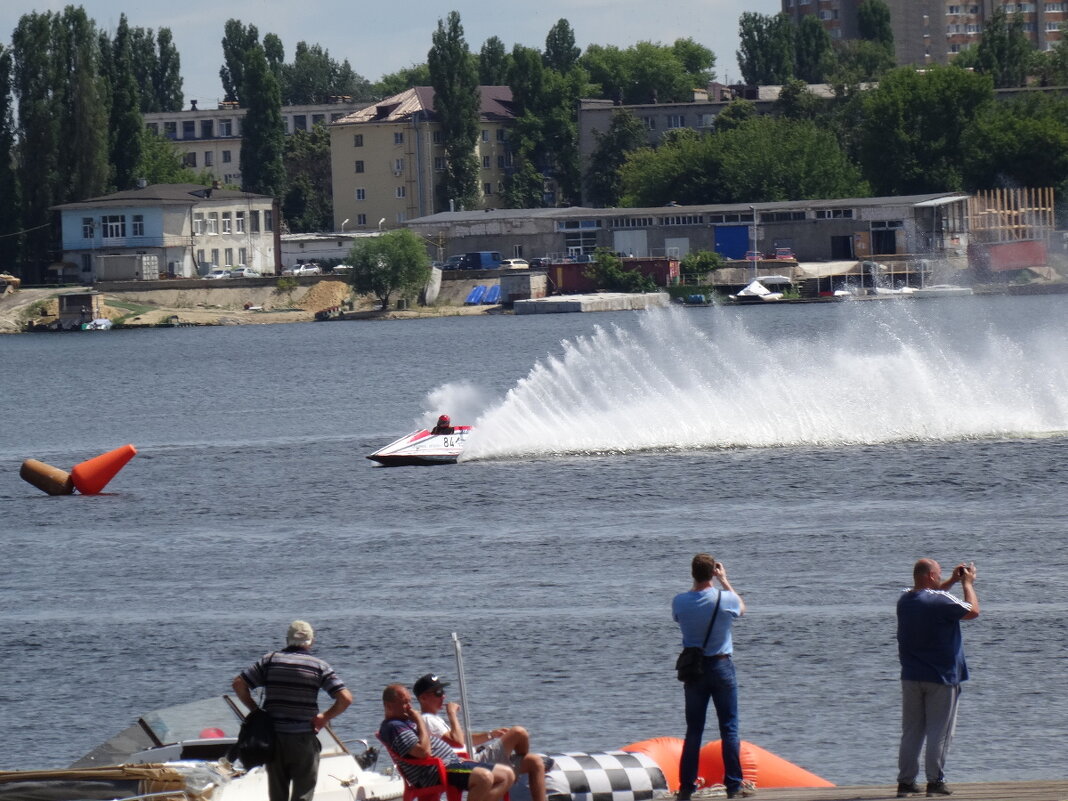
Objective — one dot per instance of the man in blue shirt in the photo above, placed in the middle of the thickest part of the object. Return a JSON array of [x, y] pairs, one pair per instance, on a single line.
[[705, 616], [932, 669]]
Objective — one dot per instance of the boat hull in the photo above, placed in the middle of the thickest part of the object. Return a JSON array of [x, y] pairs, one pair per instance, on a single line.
[[421, 448]]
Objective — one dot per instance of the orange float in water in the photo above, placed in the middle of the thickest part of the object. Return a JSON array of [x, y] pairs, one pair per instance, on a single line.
[[759, 766], [91, 476]]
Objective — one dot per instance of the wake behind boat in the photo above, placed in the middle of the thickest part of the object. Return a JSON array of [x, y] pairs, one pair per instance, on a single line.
[[423, 447]]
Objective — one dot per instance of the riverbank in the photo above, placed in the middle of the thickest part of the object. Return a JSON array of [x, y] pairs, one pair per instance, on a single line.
[[235, 303]]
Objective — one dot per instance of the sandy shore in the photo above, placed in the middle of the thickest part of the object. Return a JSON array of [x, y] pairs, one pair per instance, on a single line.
[[228, 304]]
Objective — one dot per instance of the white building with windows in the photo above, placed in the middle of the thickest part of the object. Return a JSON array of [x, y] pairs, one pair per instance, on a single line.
[[167, 230]]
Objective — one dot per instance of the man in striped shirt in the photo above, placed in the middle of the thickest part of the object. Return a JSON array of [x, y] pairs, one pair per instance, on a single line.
[[291, 679], [406, 735]]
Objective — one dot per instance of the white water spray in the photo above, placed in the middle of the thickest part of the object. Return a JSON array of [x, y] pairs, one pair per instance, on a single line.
[[667, 385]]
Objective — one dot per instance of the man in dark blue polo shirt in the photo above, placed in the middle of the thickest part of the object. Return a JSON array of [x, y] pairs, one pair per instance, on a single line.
[[292, 679], [932, 669]]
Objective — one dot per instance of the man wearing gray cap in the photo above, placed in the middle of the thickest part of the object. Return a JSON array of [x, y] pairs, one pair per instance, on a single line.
[[291, 679]]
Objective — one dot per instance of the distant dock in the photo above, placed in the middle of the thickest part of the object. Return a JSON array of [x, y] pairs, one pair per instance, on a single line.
[[1047, 790], [600, 301]]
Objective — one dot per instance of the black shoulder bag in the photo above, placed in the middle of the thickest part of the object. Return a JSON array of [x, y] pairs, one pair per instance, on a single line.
[[255, 741], [690, 666]]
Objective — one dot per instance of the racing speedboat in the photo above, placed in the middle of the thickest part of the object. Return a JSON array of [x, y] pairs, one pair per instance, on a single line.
[[423, 448]]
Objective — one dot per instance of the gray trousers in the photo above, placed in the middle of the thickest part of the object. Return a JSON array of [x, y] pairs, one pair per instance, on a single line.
[[296, 763], [928, 712]]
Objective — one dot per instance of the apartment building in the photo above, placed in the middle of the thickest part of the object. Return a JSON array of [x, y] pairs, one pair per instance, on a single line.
[[387, 159], [933, 31], [210, 139]]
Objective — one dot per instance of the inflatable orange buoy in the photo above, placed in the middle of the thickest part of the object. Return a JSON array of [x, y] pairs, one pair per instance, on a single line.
[[759, 766], [46, 478], [91, 476]]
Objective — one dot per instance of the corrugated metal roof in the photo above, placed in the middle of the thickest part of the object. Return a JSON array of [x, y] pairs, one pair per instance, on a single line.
[[495, 104]]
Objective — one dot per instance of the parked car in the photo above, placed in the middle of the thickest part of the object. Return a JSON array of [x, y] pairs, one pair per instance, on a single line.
[[753, 255], [217, 274], [303, 269], [244, 272], [342, 268], [481, 260], [784, 253], [515, 264], [453, 263]]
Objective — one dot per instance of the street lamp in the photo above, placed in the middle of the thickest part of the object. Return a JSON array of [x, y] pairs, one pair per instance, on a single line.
[[380, 224], [753, 237], [343, 224]]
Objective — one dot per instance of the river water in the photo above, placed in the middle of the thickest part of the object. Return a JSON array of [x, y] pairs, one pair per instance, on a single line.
[[816, 450]]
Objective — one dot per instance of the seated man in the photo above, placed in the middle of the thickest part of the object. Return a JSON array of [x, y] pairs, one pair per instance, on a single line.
[[497, 746], [405, 734], [444, 426]]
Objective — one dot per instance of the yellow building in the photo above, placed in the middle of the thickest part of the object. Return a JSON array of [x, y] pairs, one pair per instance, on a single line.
[[388, 158]]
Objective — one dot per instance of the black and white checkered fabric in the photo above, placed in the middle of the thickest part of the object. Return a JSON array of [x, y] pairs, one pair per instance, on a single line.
[[608, 776]]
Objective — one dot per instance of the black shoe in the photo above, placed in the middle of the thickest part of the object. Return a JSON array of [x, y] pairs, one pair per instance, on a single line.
[[938, 788], [904, 789]]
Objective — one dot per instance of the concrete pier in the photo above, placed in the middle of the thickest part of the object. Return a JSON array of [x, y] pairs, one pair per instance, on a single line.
[[1048, 790], [601, 301]]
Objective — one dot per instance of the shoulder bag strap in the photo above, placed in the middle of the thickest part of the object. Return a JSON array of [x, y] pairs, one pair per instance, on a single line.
[[715, 612]]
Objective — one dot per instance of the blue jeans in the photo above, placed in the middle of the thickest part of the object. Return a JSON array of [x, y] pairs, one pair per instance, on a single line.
[[720, 685]]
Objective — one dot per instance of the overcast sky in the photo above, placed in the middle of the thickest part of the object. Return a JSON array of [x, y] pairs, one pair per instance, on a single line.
[[381, 39]]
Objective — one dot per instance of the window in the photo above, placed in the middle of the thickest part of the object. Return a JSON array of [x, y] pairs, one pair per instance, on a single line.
[[361, 219], [398, 137], [87, 263], [300, 122], [834, 214], [438, 137], [214, 255], [114, 226], [190, 160], [228, 255], [209, 159], [887, 224], [318, 119], [137, 225], [239, 218], [357, 140], [226, 156], [485, 135], [189, 129], [952, 9], [359, 166], [487, 188], [439, 163], [170, 130], [254, 222], [153, 127], [400, 191], [268, 220], [213, 222], [242, 256], [226, 127], [781, 216], [227, 223], [398, 166], [676, 121], [486, 163], [207, 129], [500, 162], [88, 228], [361, 193], [198, 222], [502, 135], [200, 256], [1053, 26], [649, 123]]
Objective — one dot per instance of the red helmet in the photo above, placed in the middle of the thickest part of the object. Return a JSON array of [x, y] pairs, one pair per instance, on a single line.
[[443, 420]]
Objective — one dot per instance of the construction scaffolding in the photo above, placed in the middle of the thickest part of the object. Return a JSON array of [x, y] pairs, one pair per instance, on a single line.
[[1011, 215]]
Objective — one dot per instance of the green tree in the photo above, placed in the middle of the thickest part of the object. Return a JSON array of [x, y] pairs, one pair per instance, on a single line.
[[162, 163], [873, 23], [394, 262], [1023, 142], [647, 72], [1004, 52], [561, 54], [625, 134], [275, 53], [9, 186], [237, 41], [310, 75], [797, 102], [263, 130], [606, 269], [144, 62], [167, 81], [493, 63], [734, 114], [308, 204], [127, 124], [909, 137], [457, 102], [766, 56], [700, 262], [813, 50], [397, 82]]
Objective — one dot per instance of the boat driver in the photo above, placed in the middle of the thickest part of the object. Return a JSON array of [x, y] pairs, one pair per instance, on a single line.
[[507, 746], [444, 426]]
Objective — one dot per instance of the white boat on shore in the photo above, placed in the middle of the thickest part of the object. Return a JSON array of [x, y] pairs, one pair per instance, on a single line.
[[423, 447], [181, 754], [942, 291]]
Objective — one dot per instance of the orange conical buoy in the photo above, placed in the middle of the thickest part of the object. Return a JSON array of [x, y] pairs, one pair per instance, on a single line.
[[665, 752], [762, 767], [91, 476], [46, 478]]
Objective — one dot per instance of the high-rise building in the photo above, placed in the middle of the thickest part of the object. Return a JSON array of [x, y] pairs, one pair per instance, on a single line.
[[934, 31]]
